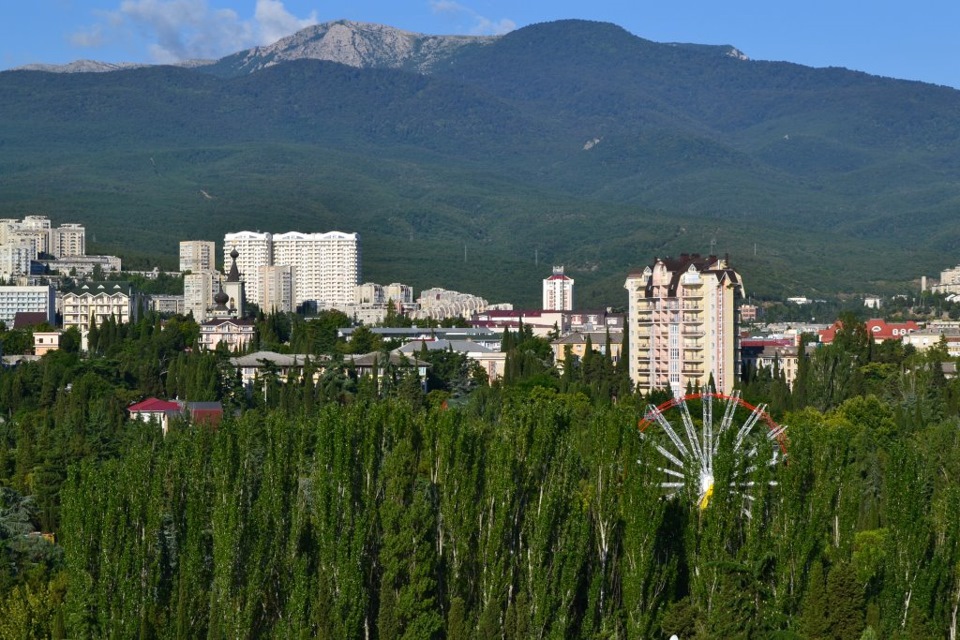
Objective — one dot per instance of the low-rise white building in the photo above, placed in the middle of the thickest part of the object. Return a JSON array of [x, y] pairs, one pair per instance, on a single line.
[[99, 301], [37, 299]]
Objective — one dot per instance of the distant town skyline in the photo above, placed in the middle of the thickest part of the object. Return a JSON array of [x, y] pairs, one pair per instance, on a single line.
[[888, 39]]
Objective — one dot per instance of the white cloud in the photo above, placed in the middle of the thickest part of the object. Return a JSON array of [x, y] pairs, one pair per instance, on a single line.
[[275, 22], [175, 30], [91, 37], [479, 25]]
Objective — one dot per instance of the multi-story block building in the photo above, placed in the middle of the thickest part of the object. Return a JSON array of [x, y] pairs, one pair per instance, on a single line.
[[400, 294], [254, 250], [68, 240], [83, 265], [277, 289], [15, 259], [198, 255], [326, 265], [369, 293], [99, 301], [683, 324], [38, 299], [167, 304], [558, 291], [199, 288]]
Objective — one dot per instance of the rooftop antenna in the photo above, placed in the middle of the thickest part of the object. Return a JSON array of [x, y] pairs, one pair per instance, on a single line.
[[464, 252]]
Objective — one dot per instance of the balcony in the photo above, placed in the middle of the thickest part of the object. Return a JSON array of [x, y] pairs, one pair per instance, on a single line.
[[694, 331]]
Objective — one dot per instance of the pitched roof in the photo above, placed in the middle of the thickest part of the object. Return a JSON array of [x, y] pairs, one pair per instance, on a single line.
[[257, 359], [29, 319], [460, 346], [154, 405], [109, 287], [399, 359]]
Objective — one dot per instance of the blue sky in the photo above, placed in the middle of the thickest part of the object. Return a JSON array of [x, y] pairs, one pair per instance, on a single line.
[[915, 41]]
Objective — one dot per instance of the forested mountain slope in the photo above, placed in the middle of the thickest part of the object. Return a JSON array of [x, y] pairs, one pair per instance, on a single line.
[[573, 141]]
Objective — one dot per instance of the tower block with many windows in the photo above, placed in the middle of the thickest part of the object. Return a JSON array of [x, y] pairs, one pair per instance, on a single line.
[[683, 324]]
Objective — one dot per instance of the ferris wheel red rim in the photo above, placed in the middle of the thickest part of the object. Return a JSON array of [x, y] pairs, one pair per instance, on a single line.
[[772, 425]]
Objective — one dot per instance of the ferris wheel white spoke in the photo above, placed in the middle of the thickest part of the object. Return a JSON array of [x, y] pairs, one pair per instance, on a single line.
[[671, 472], [691, 433], [672, 485], [774, 434], [669, 456], [728, 411], [668, 429], [706, 398], [748, 425]]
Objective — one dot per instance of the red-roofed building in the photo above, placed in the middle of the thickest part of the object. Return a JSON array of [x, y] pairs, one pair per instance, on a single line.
[[163, 411], [880, 330], [155, 409]]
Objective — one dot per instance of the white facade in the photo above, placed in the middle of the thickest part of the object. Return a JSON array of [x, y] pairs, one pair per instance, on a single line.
[[100, 300], [15, 259], [255, 251], [326, 265], [558, 291], [40, 299], [278, 287], [83, 265], [198, 255]]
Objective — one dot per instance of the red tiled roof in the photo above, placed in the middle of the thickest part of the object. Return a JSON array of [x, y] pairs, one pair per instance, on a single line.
[[878, 329], [154, 405]]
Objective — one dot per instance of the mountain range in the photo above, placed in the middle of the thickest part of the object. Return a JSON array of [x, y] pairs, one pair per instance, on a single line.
[[476, 162]]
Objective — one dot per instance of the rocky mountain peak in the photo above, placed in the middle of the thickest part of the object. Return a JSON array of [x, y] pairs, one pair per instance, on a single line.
[[359, 44]]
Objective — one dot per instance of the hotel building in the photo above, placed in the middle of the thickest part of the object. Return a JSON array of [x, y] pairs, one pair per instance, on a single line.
[[683, 324]]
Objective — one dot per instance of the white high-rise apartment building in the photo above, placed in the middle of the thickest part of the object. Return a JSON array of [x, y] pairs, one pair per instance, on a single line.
[[327, 265], [198, 255], [558, 291], [255, 251], [684, 325], [277, 288]]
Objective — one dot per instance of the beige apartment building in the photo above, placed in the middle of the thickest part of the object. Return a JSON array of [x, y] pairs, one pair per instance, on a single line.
[[197, 255], [683, 324], [99, 301]]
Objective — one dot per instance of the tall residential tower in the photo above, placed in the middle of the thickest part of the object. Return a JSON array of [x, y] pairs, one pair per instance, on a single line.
[[558, 291], [683, 324]]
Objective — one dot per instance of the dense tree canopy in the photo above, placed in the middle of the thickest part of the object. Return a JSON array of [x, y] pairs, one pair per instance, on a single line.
[[337, 507]]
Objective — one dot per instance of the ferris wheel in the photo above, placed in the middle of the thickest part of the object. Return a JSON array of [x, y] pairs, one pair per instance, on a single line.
[[694, 451]]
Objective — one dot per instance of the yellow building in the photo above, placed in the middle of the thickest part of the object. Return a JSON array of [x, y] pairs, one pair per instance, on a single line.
[[683, 324]]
